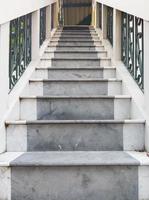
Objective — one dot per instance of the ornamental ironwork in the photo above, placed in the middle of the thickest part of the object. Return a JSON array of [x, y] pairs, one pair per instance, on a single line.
[[42, 25], [110, 24], [132, 51], [20, 47]]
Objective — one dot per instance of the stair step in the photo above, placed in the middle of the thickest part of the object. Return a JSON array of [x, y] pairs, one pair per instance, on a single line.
[[75, 135], [76, 40], [76, 48], [87, 175], [75, 37], [74, 54], [77, 62], [75, 43], [56, 73], [78, 27], [82, 87], [76, 34], [78, 107]]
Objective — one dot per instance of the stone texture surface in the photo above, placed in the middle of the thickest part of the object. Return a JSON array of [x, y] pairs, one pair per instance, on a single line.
[[75, 88], [75, 137], [83, 183], [73, 108]]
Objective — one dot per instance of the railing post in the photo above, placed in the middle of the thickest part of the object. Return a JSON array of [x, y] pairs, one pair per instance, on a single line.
[[104, 22], [4, 78], [146, 79], [48, 22], [116, 35], [35, 33]]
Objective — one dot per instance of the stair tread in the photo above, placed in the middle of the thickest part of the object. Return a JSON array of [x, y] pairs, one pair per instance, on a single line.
[[81, 158]]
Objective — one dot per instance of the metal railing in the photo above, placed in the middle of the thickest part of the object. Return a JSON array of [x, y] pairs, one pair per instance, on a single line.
[[20, 47], [110, 24], [132, 47], [42, 25]]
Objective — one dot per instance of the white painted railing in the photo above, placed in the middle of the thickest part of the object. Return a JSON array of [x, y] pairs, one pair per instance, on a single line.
[[10, 10], [139, 9]]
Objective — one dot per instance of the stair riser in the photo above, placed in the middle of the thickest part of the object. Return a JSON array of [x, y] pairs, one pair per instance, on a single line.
[[84, 35], [74, 55], [75, 48], [75, 37], [75, 88], [81, 182], [79, 63], [81, 40], [74, 63], [75, 43], [36, 183], [76, 31], [75, 137], [67, 109], [74, 74]]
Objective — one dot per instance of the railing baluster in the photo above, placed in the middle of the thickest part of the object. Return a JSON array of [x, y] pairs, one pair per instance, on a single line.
[[42, 25], [139, 52], [110, 24], [131, 44], [20, 48], [132, 50], [124, 37]]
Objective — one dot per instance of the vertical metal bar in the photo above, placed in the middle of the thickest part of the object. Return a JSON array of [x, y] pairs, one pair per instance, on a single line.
[[110, 24], [139, 52], [19, 48]]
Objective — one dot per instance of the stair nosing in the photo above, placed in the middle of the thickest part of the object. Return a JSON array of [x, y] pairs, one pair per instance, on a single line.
[[63, 51], [28, 122], [78, 97], [84, 59], [76, 68], [75, 80], [71, 158]]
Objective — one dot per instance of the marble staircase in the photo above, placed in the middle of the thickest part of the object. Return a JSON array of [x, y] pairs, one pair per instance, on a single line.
[[75, 138]]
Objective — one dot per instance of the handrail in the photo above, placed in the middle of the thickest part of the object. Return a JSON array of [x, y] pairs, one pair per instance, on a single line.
[[13, 9]]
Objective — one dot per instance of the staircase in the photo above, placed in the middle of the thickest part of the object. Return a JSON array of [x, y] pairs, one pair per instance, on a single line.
[[75, 139]]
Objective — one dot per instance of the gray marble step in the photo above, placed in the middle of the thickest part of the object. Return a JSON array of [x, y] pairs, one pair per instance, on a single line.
[[69, 175], [75, 54], [76, 40], [75, 108], [75, 34], [76, 48], [40, 87], [92, 32], [78, 62], [55, 73], [83, 43], [76, 37], [75, 135]]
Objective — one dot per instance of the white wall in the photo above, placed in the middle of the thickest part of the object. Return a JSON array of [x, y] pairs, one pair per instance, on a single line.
[[11, 9], [138, 8]]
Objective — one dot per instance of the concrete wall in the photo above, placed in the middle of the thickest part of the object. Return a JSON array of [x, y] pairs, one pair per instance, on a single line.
[[12, 9], [136, 7]]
